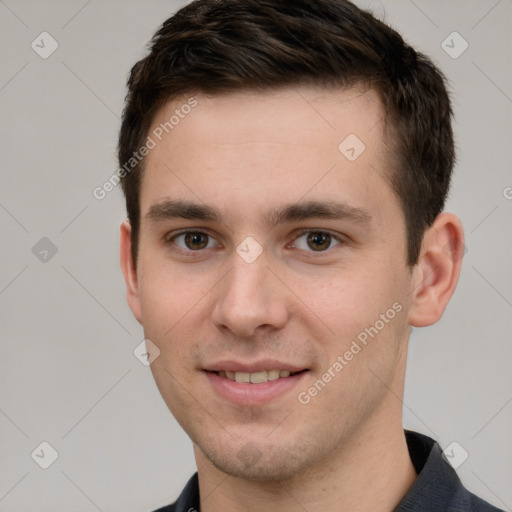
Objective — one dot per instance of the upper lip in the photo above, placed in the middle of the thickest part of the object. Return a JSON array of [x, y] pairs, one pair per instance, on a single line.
[[257, 366]]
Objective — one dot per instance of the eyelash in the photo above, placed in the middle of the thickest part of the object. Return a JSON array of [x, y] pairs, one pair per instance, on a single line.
[[169, 240]]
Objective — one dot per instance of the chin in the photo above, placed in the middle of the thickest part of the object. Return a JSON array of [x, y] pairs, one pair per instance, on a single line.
[[269, 464]]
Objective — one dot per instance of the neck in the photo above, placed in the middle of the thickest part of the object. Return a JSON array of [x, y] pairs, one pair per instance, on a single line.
[[372, 472]]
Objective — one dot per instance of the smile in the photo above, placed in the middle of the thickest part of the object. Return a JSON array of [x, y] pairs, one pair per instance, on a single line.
[[256, 377], [253, 388]]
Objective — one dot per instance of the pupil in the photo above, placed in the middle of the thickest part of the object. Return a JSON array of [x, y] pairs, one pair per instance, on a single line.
[[193, 240], [319, 240]]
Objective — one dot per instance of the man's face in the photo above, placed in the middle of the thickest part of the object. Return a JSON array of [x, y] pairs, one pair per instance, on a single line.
[[268, 286]]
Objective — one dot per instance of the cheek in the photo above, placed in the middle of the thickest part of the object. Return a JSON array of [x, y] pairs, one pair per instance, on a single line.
[[346, 300], [362, 307], [168, 292], [171, 385], [165, 313], [176, 313]]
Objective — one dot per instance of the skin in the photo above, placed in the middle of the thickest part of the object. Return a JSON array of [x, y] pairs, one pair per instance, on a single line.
[[245, 154]]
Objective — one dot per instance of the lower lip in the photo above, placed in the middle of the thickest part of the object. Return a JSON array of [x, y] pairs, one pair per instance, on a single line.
[[245, 393]]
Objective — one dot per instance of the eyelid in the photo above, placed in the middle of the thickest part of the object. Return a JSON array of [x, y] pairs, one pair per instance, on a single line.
[[169, 238], [342, 240], [303, 231]]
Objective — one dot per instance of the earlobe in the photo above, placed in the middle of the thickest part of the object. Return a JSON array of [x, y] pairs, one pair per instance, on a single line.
[[129, 270], [436, 274]]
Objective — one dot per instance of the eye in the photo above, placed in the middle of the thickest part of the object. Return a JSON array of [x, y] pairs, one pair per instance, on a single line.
[[193, 240], [318, 241]]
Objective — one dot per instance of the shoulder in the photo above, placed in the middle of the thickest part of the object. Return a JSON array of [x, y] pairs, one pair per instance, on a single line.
[[437, 486], [168, 508], [471, 503], [188, 500]]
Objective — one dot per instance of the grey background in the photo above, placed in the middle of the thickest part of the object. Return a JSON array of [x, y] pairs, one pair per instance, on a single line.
[[68, 372]]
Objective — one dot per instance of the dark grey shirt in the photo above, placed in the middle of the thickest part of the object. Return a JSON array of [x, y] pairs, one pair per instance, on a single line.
[[437, 488]]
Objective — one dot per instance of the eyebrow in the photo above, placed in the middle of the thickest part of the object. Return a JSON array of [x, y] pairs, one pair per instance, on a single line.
[[182, 209]]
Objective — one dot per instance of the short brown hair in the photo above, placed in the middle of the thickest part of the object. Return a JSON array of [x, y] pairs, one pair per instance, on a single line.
[[220, 46]]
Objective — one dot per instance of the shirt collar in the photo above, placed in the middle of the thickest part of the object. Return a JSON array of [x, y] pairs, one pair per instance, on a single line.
[[437, 481]]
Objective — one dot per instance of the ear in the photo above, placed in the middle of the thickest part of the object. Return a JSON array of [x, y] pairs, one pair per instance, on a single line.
[[129, 270], [436, 274]]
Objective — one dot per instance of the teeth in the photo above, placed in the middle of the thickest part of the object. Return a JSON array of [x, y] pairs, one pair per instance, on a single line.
[[258, 377], [273, 374], [255, 377], [242, 377]]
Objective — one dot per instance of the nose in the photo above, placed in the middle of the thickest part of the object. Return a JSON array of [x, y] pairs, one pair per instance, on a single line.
[[250, 298]]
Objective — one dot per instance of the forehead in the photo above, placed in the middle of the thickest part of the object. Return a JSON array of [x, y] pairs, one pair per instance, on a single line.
[[247, 149], [279, 115]]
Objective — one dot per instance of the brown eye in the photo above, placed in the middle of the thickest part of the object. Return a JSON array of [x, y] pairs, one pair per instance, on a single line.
[[192, 241], [319, 241], [196, 240], [316, 241]]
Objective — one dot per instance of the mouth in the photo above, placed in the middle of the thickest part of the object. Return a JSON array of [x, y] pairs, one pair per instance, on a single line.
[[257, 377], [252, 385]]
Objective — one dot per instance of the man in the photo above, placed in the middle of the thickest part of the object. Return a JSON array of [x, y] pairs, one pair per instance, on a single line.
[[285, 167]]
